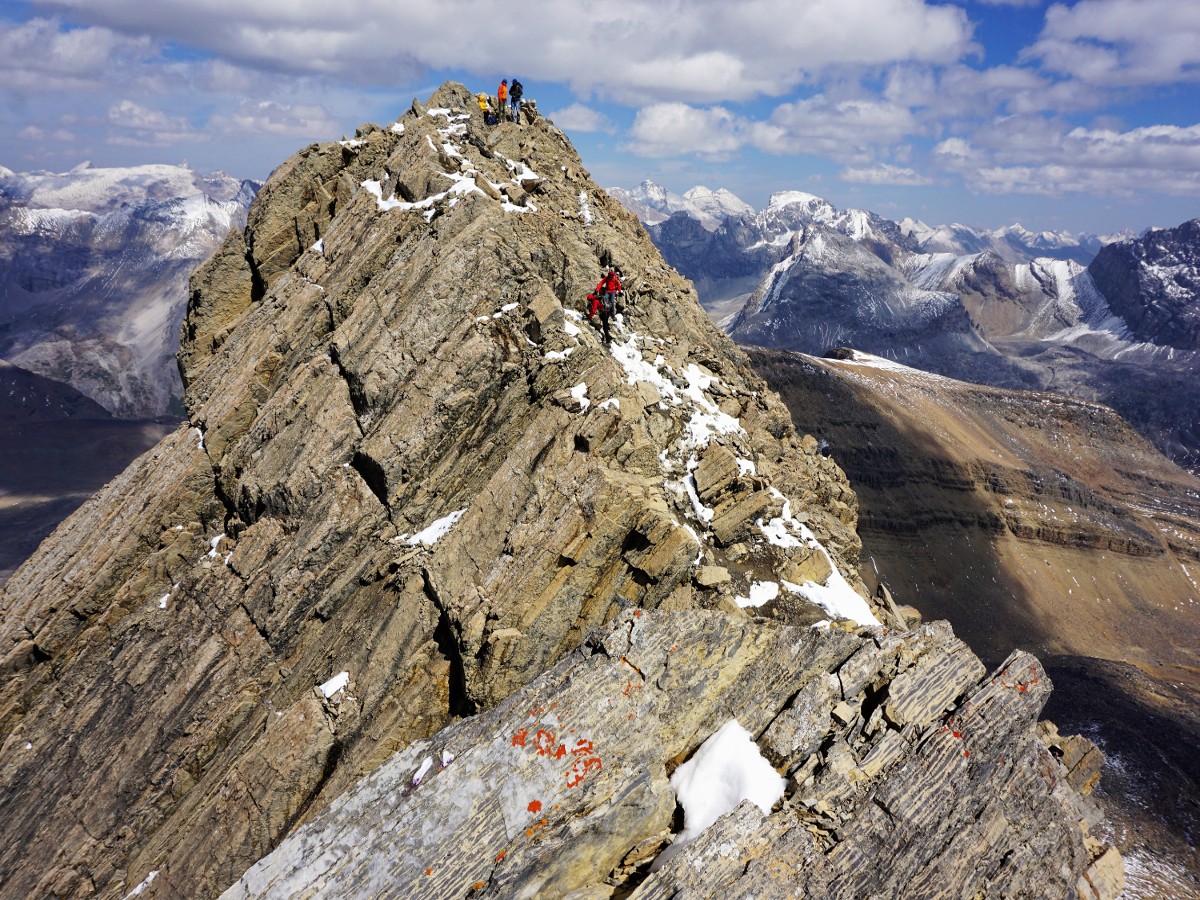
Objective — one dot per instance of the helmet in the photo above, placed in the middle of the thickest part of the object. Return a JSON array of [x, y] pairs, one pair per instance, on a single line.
[[504, 81]]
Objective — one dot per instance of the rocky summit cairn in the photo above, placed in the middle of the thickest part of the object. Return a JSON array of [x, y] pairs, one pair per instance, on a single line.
[[441, 587]]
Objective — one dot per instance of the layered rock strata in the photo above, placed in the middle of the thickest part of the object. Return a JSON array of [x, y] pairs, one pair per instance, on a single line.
[[910, 774], [413, 479], [408, 458]]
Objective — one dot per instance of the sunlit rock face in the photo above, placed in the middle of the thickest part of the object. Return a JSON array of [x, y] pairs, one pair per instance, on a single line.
[[414, 482]]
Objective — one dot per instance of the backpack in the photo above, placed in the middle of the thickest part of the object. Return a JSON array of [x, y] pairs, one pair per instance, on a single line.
[[515, 90]]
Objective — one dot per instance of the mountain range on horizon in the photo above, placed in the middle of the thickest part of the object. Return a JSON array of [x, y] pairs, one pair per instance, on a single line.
[[94, 265], [1102, 319], [654, 204]]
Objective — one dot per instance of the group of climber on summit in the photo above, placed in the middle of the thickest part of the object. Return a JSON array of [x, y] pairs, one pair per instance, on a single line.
[[603, 299], [508, 103]]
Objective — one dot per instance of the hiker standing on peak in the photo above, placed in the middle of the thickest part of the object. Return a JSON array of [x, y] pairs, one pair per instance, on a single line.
[[515, 90], [502, 97]]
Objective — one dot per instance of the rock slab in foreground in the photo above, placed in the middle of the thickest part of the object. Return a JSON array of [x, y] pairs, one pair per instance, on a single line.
[[563, 787]]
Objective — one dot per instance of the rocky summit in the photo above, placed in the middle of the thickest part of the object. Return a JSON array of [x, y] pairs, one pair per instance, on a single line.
[[434, 592]]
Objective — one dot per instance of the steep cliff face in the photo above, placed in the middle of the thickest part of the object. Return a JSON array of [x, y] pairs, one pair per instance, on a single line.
[[1152, 282], [413, 479]]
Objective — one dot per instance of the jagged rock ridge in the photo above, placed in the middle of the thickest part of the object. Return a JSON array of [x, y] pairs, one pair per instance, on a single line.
[[1153, 283], [413, 479], [565, 782]]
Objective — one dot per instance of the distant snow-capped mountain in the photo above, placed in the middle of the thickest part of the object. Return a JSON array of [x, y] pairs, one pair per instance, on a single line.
[[1010, 307], [94, 265], [1153, 282], [653, 203]]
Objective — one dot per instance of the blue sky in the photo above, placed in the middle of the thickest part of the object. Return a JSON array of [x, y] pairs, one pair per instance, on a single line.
[[1082, 116]]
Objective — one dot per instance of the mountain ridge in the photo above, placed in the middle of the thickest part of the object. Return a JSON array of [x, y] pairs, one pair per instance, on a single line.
[[413, 480]]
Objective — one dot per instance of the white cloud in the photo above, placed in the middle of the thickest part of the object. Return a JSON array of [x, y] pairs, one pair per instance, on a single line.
[[270, 117], [578, 117], [632, 50], [1161, 158], [844, 129], [1121, 42], [884, 173], [131, 124], [41, 55], [676, 129]]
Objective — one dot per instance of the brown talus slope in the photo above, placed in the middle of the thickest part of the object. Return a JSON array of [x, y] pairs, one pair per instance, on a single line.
[[1031, 520], [413, 479]]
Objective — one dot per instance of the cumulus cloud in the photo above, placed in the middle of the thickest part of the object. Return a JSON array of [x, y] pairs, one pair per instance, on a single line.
[[714, 51], [846, 129], [132, 124], [1163, 158], [676, 129], [270, 117], [1121, 42], [42, 55], [884, 173], [578, 117]]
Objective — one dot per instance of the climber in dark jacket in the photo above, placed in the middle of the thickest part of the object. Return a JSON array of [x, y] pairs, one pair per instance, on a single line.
[[515, 90], [597, 304]]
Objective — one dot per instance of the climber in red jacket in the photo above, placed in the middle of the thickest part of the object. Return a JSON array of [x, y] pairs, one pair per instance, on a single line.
[[603, 300]]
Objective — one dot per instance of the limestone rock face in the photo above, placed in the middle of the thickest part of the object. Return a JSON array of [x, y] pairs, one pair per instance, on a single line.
[[412, 479], [562, 790]]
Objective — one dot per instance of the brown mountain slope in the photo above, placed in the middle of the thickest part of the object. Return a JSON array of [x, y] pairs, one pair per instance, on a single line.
[[1031, 520]]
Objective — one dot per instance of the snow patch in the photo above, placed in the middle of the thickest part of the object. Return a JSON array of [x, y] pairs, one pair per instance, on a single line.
[[136, 892], [727, 769], [760, 592], [435, 532], [337, 683], [579, 392]]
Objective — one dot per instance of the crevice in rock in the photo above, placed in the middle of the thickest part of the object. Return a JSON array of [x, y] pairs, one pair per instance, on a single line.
[[258, 287], [332, 759], [372, 474], [257, 627], [460, 704]]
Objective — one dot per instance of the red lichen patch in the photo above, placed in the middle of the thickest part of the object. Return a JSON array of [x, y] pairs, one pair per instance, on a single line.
[[429, 871], [519, 738], [580, 768], [544, 742], [582, 746], [637, 613], [560, 751], [478, 886], [536, 827], [535, 806], [500, 856]]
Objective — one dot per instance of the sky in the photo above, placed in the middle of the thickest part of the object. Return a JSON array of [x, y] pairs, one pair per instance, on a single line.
[[1079, 116]]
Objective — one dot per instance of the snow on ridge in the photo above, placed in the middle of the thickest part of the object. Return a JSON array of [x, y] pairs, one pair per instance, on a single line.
[[434, 532], [835, 596], [727, 769], [869, 360]]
